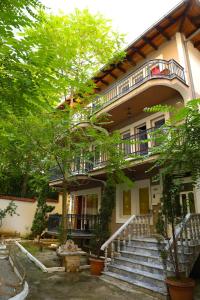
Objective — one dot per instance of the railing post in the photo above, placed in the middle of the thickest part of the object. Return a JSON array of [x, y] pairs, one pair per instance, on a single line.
[[106, 260]]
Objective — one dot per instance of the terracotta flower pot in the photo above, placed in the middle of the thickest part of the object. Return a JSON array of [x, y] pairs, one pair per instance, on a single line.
[[180, 289], [96, 266]]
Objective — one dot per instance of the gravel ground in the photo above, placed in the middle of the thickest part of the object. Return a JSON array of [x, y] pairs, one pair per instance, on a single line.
[[7, 277]]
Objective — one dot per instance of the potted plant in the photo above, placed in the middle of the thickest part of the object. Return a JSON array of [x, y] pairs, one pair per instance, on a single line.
[[101, 231], [97, 263], [180, 287]]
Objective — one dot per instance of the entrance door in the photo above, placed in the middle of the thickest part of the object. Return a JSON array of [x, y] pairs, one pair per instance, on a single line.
[[80, 211], [144, 200], [187, 202]]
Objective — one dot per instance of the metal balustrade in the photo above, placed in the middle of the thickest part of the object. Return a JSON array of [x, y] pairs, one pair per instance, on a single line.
[[132, 147], [75, 222], [153, 69]]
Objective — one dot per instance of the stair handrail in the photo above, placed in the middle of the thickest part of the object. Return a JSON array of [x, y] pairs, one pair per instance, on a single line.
[[117, 233], [187, 232], [179, 229]]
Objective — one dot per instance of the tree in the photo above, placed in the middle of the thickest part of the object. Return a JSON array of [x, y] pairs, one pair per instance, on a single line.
[[54, 58], [16, 81], [58, 143], [178, 142], [179, 154], [9, 210], [41, 215], [66, 51]]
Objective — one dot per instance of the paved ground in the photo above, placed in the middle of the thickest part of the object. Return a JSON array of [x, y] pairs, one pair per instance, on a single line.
[[7, 279], [60, 286]]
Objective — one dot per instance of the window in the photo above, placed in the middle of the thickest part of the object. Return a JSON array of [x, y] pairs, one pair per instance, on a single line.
[[142, 145], [159, 123], [126, 209]]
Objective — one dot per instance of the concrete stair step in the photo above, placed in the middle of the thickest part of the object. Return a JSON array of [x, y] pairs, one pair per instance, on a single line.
[[142, 249], [141, 257], [153, 290], [143, 276], [139, 265], [147, 242]]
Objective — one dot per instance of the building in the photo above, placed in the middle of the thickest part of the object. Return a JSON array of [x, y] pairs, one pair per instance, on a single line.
[[162, 66]]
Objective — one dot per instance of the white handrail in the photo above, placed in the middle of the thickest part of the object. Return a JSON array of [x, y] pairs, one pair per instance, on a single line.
[[179, 229], [113, 237]]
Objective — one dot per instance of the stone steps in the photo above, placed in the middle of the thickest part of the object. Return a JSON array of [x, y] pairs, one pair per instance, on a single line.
[[120, 280], [138, 275], [140, 265], [147, 242], [154, 251], [141, 257]]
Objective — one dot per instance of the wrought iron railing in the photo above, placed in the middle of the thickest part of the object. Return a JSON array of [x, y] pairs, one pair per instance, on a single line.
[[157, 68], [135, 146], [75, 222]]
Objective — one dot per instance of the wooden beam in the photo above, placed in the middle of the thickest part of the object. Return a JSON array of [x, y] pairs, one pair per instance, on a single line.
[[104, 82], [109, 72], [130, 60], [137, 50], [193, 33], [120, 68], [100, 79], [197, 44], [182, 21], [148, 41], [163, 33], [195, 22]]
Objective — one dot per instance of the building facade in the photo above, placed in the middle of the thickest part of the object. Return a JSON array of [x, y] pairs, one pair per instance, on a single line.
[[162, 66]]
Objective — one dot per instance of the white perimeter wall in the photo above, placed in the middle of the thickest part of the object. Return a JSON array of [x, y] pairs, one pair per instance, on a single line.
[[22, 222]]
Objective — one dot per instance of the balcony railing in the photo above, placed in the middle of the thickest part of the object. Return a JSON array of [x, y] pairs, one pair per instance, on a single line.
[[135, 146], [150, 70], [75, 222]]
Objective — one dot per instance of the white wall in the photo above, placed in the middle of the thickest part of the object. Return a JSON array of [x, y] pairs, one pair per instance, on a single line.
[[22, 222]]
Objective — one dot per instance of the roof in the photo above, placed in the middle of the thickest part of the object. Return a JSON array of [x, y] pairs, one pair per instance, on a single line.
[[185, 18]]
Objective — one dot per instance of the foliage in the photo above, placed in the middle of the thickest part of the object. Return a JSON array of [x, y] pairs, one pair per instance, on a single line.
[[17, 83], [102, 231], [178, 140], [178, 145], [41, 215], [9, 210]]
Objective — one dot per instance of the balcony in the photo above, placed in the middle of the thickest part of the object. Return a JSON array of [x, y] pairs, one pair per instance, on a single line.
[[153, 69], [134, 147], [77, 224]]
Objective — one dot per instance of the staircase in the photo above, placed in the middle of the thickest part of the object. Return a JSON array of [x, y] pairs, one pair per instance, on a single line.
[[133, 255]]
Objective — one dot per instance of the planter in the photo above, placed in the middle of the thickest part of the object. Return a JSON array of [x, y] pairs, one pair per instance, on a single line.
[[180, 289], [96, 266]]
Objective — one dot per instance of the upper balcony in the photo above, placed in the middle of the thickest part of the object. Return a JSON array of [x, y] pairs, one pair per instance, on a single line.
[[151, 70], [133, 148]]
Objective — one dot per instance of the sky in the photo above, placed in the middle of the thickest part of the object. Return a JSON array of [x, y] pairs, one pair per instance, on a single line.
[[131, 17]]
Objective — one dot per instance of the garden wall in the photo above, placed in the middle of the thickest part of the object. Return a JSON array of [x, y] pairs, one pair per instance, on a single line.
[[21, 223]]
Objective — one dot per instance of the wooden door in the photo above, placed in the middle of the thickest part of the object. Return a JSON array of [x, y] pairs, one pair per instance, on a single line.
[[144, 200]]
